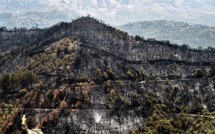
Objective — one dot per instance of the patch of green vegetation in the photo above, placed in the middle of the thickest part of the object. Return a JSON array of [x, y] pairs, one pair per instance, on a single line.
[[4, 58], [166, 119], [163, 122], [198, 73], [60, 55], [116, 101], [194, 35], [4, 113], [212, 71], [17, 80]]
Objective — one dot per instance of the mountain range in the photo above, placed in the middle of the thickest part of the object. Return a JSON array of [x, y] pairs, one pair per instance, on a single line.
[[175, 32], [115, 12]]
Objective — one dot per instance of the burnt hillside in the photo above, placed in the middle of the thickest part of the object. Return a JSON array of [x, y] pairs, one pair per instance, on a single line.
[[95, 35], [86, 66]]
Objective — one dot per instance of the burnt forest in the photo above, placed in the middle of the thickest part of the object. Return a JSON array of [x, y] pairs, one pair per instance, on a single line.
[[87, 77]]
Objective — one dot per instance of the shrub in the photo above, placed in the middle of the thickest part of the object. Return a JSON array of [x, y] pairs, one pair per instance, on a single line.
[[23, 92], [105, 76], [98, 75], [5, 81], [116, 100], [63, 105], [123, 102], [79, 105], [110, 98], [58, 95], [198, 73], [92, 83], [138, 38], [151, 99], [136, 99], [41, 103], [58, 48], [49, 94], [82, 79], [166, 82], [66, 48], [110, 73], [212, 71], [40, 85], [130, 75], [45, 121]]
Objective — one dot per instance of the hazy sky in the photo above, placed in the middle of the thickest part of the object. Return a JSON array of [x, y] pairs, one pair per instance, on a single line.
[[115, 12]]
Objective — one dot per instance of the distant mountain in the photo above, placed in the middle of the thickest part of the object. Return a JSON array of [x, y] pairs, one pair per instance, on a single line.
[[115, 12], [176, 32], [32, 19], [5, 16]]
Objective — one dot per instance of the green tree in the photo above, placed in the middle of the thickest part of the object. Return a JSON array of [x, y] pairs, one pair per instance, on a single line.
[[130, 75], [98, 75], [5, 81], [110, 73], [138, 38], [198, 73]]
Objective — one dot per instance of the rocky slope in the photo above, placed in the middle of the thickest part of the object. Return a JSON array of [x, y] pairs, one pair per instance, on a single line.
[[88, 77]]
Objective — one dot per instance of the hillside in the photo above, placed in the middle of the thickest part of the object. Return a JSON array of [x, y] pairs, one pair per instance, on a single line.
[[88, 77], [176, 32]]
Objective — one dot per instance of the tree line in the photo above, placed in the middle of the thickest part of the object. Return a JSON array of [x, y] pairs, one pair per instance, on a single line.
[[17, 80]]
